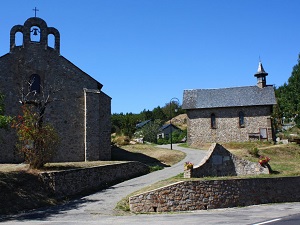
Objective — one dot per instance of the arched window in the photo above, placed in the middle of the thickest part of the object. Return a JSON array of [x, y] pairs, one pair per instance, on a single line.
[[35, 83], [213, 121], [241, 119], [19, 39], [51, 41]]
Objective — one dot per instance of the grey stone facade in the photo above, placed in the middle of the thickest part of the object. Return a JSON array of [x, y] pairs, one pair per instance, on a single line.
[[79, 111], [227, 124]]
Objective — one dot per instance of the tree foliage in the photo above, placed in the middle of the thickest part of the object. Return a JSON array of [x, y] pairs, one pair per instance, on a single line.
[[288, 98], [125, 123], [150, 131], [38, 141]]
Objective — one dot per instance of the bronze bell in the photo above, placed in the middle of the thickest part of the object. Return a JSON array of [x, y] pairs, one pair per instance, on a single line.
[[35, 30]]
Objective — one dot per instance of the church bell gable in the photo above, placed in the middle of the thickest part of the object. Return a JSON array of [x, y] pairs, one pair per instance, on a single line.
[[33, 27]]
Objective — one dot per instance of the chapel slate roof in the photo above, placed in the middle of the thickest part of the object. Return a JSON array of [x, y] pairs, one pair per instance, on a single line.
[[228, 97]]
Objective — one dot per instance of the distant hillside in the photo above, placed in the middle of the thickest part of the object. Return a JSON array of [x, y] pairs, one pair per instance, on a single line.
[[179, 121]]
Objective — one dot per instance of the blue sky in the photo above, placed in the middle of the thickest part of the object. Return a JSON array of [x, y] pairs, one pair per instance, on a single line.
[[145, 52]]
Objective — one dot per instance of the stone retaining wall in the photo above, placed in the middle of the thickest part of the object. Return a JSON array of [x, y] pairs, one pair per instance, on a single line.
[[212, 194], [76, 181], [220, 162]]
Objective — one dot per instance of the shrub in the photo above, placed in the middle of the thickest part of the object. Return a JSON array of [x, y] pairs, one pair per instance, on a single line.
[[37, 140], [254, 152]]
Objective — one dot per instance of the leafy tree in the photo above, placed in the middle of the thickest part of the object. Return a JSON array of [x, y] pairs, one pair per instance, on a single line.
[[151, 130], [158, 113], [146, 115], [171, 109], [38, 141], [125, 123], [288, 98]]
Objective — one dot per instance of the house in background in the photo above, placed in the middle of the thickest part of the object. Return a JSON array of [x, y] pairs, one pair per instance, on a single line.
[[141, 124], [79, 110], [235, 114], [165, 131]]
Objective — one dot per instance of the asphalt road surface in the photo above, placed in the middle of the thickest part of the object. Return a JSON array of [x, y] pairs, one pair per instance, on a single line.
[[98, 208]]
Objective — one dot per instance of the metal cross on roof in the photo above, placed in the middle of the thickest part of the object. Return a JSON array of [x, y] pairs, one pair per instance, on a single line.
[[35, 9]]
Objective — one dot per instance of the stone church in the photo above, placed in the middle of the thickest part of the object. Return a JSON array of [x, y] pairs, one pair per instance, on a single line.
[[235, 114], [79, 110]]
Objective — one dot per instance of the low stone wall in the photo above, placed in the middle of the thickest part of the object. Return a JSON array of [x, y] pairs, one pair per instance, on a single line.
[[76, 181], [220, 162], [212, 194]]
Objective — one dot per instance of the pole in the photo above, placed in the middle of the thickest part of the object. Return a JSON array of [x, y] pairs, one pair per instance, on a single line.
[[172, 99]]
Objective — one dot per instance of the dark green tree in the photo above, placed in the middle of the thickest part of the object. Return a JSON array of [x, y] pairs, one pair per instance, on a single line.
[[288, 98], [151, 130], [172, 109], [159, 114]]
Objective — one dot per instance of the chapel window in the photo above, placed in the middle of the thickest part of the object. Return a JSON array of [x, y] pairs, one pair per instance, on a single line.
[[213, 121], [35, 34], [241, 119], [51, 41], [35, 83], [19, 39]]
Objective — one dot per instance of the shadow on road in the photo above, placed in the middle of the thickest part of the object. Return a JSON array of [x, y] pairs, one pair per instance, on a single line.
[[43, 213], [120, 154]]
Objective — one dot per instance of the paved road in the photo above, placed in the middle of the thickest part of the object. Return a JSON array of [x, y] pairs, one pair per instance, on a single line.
[[98, 208]]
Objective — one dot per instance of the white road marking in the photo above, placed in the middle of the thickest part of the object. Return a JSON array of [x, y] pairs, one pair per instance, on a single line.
[[269, 221]]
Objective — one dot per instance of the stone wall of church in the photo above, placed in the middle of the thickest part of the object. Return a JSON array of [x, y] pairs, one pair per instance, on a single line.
[[227, 124], [65, 84]]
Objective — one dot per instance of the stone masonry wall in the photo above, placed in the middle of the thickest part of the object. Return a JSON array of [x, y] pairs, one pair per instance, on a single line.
[[76, 181], [227, 124], [212, 194], [221, 162], [66, 83]]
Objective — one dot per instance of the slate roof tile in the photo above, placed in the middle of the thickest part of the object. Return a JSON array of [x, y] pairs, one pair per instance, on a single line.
[[228, 97]]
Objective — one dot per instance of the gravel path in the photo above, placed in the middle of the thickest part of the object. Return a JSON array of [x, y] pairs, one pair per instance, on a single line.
[[103, 202]]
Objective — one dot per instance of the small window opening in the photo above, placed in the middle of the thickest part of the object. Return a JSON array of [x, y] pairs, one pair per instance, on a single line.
[[241, 119], [35, 34], [51, 41], [213, 121], [35, 83], [19, 39]]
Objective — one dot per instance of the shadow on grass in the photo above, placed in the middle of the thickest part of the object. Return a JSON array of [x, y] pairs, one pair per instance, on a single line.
[[47, 212], [120, 154]]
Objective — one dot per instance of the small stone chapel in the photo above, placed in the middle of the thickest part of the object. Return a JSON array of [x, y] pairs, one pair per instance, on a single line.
[[79, 111], [235, 114]]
